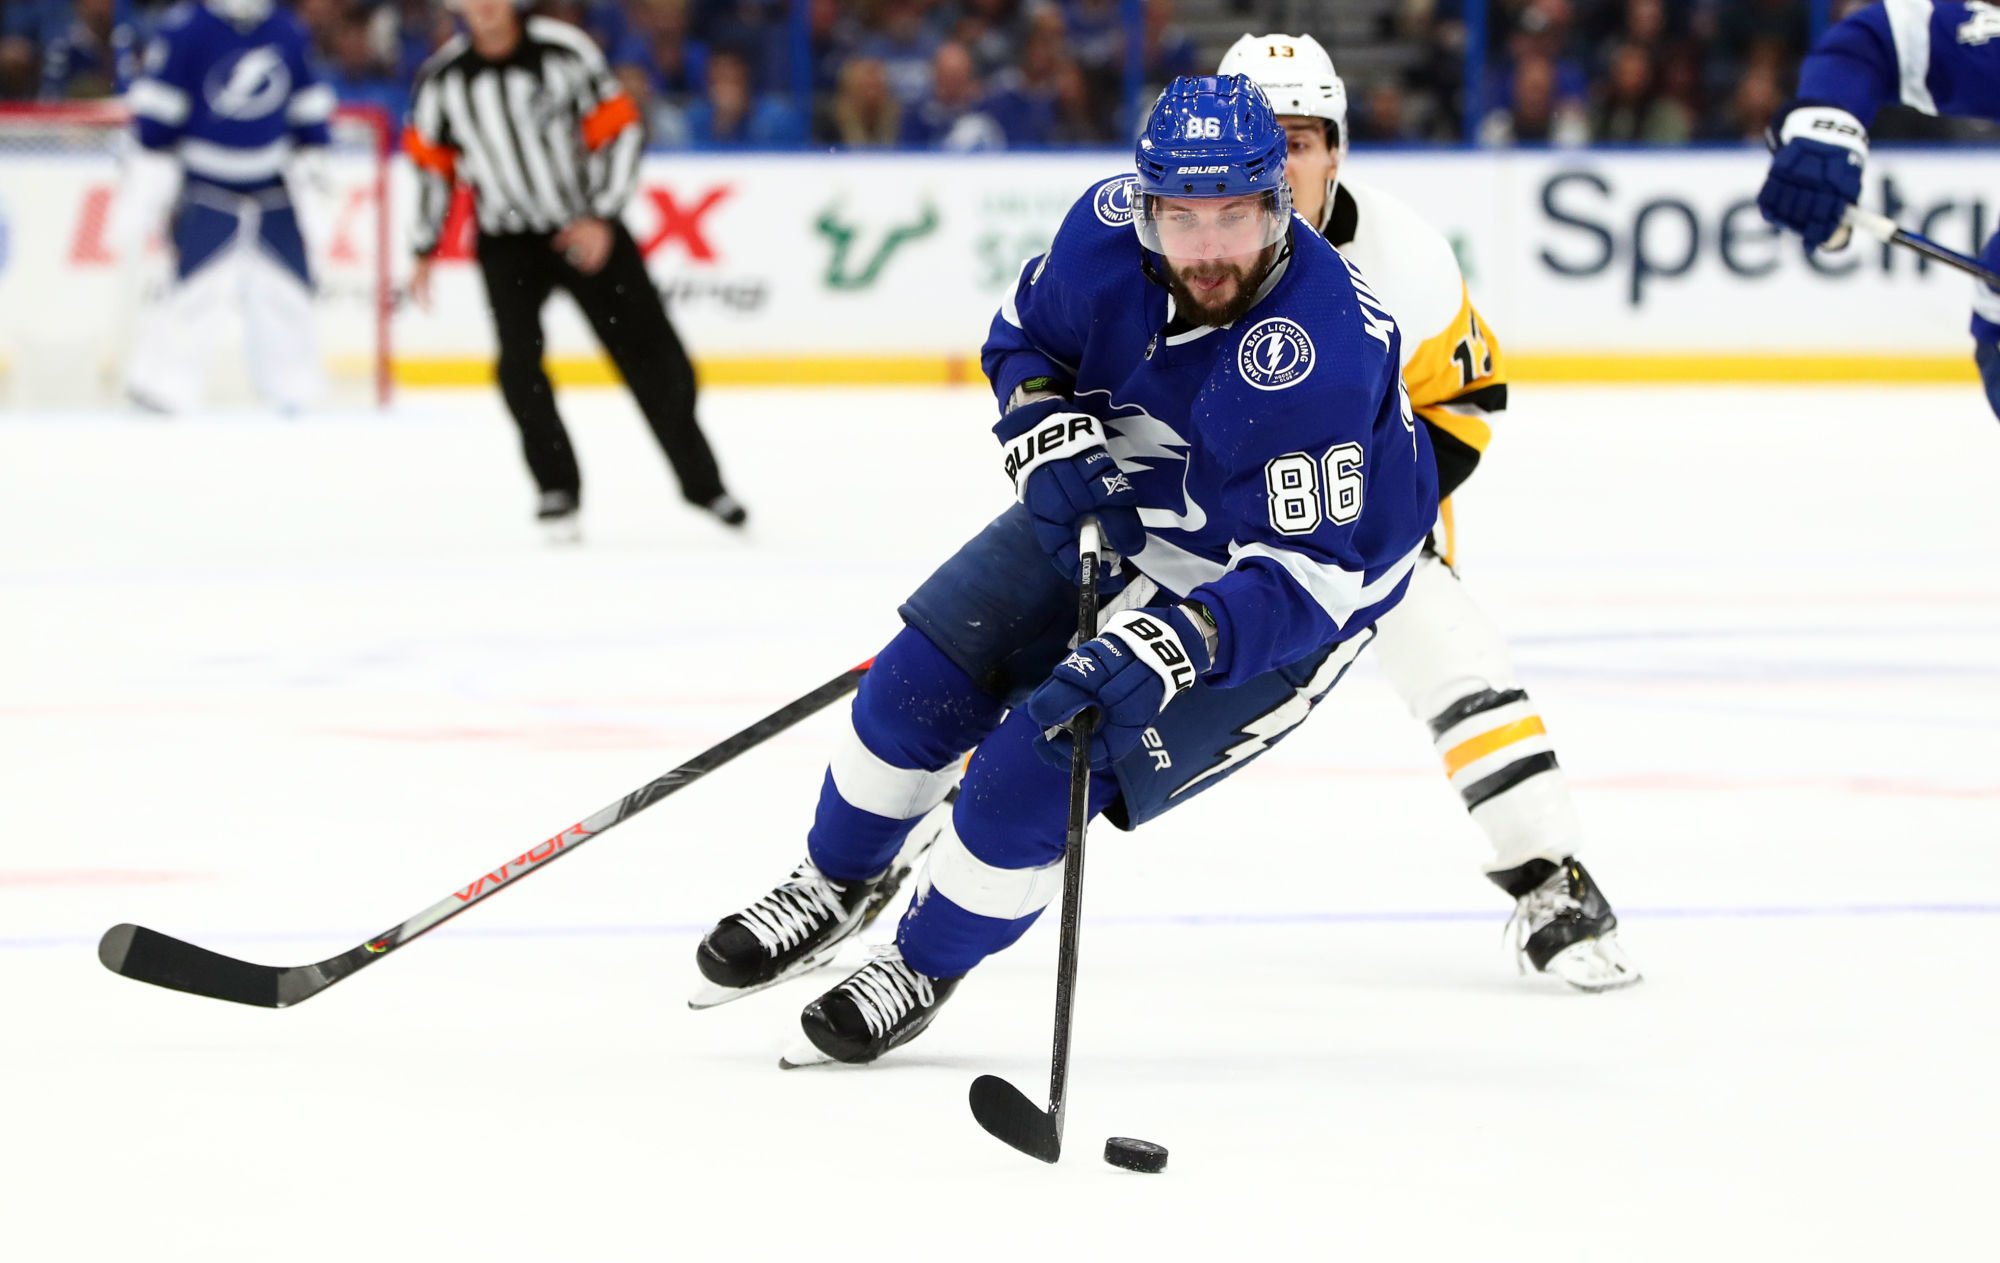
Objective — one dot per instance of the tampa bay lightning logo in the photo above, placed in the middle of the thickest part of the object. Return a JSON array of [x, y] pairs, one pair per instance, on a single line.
[[1113, 202], [251, 86], [1274, 354]]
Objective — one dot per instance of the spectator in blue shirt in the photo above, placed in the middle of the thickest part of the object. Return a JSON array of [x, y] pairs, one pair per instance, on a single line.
[[360, 71], [951, 117], [20, 33], [1024, 96], [992, 31], [1169, 51], [95, 55], [732, 116], [660, 41], [832, 34], [756, 30], [904, 44]]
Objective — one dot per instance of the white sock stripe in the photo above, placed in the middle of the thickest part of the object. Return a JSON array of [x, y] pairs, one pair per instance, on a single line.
[[865, 781], [979, 887], [1534, 819]]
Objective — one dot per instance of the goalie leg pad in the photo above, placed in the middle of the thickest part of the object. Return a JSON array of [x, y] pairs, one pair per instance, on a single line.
[[279, 332], [170, 354]]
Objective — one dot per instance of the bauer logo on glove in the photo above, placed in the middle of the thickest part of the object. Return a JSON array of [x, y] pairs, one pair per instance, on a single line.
[[1066, 430], [1141, 661], [1062, 473]]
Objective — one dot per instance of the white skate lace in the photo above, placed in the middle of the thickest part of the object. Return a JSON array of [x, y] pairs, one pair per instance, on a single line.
[[886, 988], [785, 916], [1536, 909]]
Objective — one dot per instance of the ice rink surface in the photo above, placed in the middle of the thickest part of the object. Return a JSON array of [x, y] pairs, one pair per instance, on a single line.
[[275, 686]]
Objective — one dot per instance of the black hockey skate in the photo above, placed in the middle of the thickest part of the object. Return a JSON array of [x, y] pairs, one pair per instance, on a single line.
[[726, 510], [556, 512], [884, 1004], [1563, 926], [792, 931]]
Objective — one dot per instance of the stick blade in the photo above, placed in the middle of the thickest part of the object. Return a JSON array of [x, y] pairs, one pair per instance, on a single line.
[[1003, 1111], [135, 952]]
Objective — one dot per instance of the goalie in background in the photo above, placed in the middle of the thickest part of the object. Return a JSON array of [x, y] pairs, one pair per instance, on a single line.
[[226, 101]]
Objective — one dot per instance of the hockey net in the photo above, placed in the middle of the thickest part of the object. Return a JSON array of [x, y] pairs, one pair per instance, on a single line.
[[69, 305]]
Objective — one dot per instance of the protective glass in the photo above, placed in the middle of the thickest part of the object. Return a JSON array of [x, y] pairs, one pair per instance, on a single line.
[[1193, 229]]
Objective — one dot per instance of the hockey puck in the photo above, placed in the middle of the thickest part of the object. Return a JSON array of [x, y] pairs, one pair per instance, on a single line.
[[1135, 1155]]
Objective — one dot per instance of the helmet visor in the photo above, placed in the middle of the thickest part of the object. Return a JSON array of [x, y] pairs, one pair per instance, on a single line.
[[1191, 229]]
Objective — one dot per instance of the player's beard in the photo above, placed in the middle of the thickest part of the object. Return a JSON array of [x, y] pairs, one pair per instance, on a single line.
[[1203, 311]]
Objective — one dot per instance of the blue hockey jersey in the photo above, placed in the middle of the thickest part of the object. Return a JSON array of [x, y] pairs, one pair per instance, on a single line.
[[230, 102], [1282, 478], [1939, 58]]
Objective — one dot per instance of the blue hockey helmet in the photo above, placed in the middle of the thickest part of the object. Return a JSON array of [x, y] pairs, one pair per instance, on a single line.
[[1212, 137]]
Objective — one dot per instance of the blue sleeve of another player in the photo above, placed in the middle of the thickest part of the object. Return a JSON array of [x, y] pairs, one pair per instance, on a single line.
[[1035, 333], [312, 103], [163, 95], [1328, 534], [1941, 58]]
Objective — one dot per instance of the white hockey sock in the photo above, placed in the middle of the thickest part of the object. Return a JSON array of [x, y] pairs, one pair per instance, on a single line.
[[1448, 662], [868, 782]]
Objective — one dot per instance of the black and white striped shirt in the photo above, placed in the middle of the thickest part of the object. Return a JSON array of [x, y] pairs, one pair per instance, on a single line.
[[543, 137]]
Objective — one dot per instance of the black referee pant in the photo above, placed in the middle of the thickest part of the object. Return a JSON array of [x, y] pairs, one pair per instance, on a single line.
[[521, 270]]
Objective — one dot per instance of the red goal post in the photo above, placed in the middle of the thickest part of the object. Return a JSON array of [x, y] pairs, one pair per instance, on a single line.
[[62, 284]]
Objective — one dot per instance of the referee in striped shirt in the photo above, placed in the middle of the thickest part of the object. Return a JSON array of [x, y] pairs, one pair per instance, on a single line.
[[527, 113]]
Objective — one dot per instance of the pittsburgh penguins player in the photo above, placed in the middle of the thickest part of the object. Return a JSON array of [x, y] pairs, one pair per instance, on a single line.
[[1437, 648]]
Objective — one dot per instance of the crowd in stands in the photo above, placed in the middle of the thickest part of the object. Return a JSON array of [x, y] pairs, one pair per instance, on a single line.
[[714, 74], [1631, 72], [992, 74]]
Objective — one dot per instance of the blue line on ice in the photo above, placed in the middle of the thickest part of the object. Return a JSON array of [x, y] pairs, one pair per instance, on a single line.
[[1222, 920]]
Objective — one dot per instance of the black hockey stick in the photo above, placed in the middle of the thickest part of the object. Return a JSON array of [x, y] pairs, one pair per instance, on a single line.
[[1888, 231], [148, 956], [1000, 1107]]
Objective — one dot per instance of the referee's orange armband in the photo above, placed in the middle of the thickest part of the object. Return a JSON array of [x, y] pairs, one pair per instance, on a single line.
[[436, 159], [612, 116]]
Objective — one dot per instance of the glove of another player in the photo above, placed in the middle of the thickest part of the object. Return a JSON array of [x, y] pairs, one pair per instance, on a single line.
[[1063, 473], [1815, 174], [1142, 660], [1986, 327]]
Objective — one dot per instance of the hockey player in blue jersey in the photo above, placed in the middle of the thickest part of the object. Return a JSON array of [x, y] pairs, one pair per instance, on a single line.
[[1940, 58], [226, 101], [1205, 375]]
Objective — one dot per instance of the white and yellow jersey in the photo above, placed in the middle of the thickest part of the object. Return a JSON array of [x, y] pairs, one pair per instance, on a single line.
[[1451, 360]]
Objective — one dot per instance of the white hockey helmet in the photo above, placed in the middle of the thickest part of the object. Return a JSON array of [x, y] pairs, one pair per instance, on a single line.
[[244, 13], [1298, 76]]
